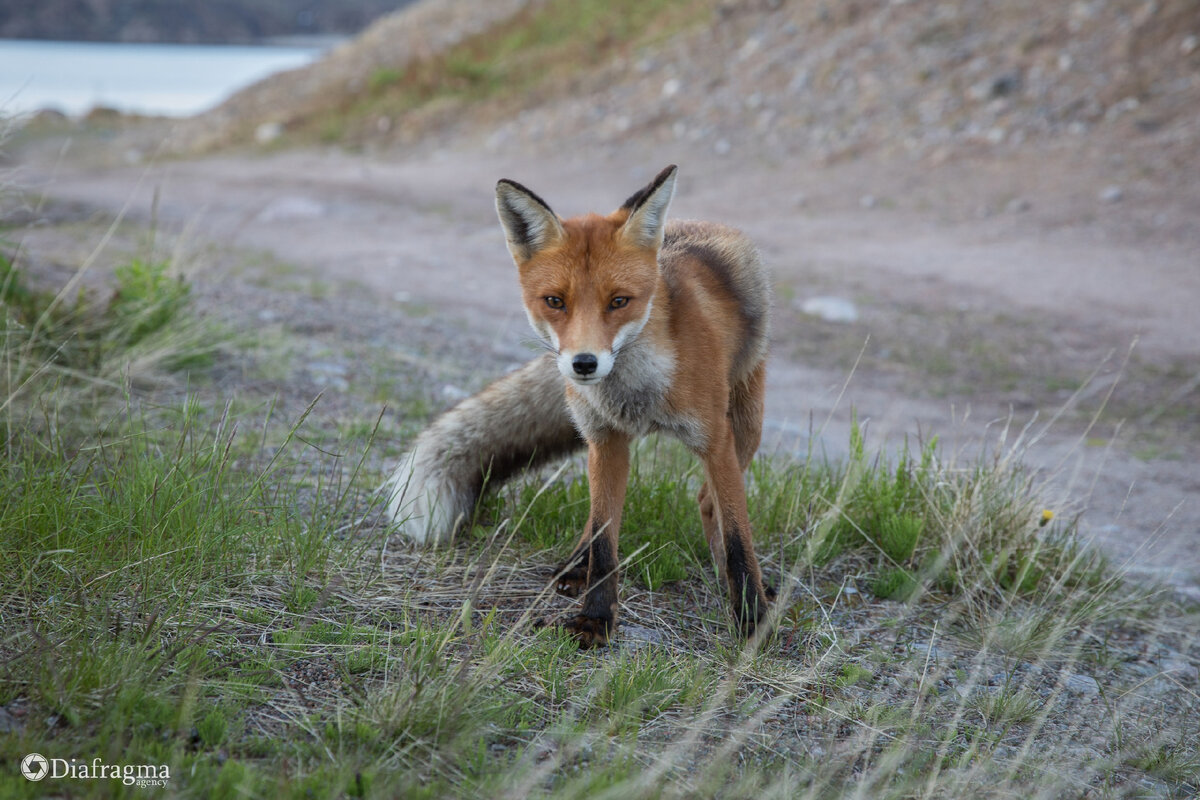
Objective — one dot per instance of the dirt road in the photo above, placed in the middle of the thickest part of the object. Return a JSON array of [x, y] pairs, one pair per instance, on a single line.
[[971, 308]]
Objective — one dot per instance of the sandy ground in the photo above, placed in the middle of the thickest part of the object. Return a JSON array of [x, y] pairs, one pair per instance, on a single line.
[[982, 301]]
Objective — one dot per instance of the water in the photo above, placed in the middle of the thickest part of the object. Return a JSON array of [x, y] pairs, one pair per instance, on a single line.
[[167, 79]]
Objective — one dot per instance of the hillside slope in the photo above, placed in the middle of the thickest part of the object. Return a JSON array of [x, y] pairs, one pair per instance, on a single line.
[[421, 31], [919, 80]]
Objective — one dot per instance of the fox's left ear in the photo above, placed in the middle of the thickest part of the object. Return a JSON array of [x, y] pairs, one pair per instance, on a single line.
[[648, 210]]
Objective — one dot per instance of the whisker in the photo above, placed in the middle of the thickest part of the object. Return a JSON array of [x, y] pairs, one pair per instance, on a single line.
[[542, 343]]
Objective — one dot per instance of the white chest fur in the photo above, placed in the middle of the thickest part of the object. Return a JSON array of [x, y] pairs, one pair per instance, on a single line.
[[633, 399]]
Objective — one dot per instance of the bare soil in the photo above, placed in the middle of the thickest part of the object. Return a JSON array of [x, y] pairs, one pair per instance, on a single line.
[[1000, 302]]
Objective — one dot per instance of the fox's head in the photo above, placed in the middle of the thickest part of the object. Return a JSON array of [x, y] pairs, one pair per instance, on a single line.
[[588, 282]]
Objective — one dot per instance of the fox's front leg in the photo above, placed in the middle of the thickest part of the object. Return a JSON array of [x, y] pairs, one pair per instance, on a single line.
[[596, 555]]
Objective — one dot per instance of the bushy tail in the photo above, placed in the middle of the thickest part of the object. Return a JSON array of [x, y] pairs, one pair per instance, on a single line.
[[519, 421]]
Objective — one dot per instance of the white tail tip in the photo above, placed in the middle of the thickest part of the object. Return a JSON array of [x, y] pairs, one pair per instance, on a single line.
[[421, 501]]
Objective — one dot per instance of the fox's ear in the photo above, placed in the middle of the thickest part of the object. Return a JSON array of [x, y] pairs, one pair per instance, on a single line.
[[529, 224], [648, 210]]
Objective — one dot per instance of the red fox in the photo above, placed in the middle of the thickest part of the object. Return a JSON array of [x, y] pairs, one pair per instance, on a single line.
[[651, 326]]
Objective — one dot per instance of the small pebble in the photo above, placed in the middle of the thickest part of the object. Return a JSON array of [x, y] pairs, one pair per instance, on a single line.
[[831, 309]]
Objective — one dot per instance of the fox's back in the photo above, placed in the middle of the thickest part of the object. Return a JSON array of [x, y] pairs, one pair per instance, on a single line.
[[723, 267]]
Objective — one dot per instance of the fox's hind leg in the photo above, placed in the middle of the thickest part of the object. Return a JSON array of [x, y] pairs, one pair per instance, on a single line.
[[723, 501], [746, 403]]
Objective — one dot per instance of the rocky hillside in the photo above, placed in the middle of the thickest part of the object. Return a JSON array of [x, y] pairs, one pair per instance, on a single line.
[[916, 79], [186, 21], [422, 32]]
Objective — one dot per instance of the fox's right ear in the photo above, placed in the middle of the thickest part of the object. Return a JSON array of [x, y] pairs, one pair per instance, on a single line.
[[529, 224]]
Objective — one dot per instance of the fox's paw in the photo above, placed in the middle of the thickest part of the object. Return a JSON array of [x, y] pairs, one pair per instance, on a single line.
[[570, 577], [588, 631]]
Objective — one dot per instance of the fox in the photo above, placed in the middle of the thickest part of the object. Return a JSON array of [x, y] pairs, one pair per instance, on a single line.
[[650, 326]]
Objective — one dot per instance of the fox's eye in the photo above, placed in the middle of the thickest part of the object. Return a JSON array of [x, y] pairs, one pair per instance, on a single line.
[[618, 302], [555, 302]]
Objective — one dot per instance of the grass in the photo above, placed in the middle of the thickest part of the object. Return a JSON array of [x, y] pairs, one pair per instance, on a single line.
[[189, 582], [912, 522], [551, 42], [81, 340]]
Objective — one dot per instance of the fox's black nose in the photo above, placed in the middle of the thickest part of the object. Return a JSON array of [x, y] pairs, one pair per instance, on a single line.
[[584, 364]]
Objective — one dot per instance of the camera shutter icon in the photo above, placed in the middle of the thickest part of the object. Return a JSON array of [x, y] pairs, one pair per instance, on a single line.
[[35, 766]]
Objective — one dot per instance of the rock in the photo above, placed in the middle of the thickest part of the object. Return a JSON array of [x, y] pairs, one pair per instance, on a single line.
[[1081, 684], [1006, 84], [925, 650], [722, 147], [268, 132], [1141, 669], [1179, 668], [671, 87], [330, 374], [831, 309], [1017, 205], [1000, 86], [1112, 194], [287, 208], [454, 393], [1121, 107], [639, 636], [9, 723], [750, 47], [868, 201]]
